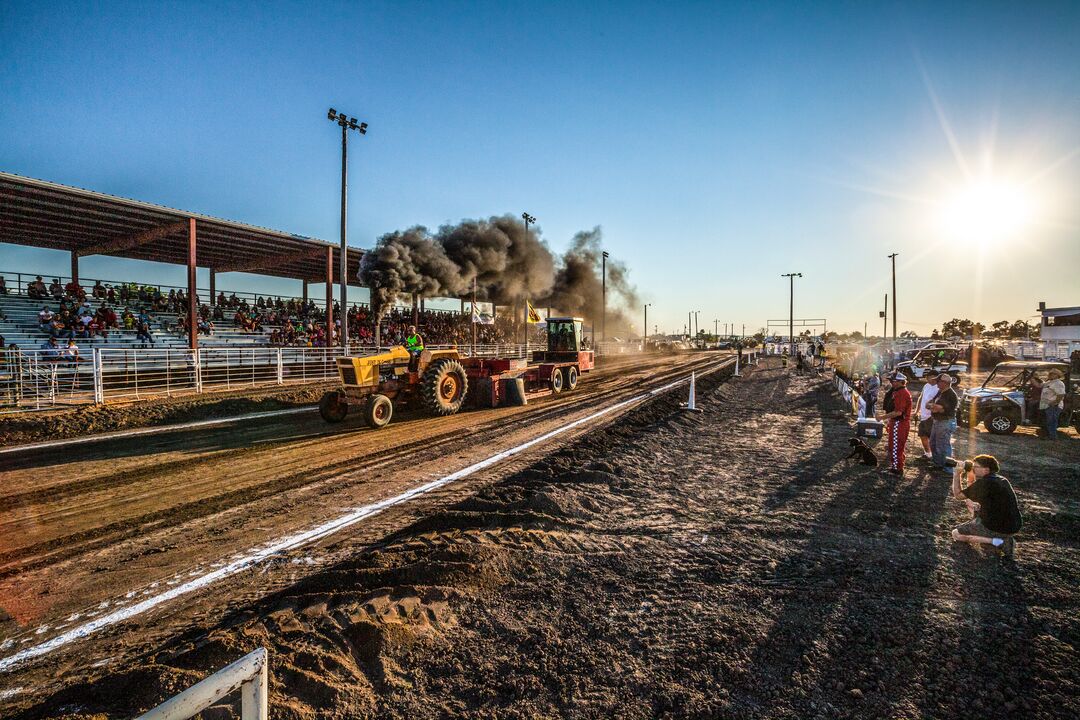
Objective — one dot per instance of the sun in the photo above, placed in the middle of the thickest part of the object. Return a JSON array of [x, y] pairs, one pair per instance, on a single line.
[[987, 211]]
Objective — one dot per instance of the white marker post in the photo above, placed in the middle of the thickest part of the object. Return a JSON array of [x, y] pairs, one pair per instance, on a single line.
[[691, 404]]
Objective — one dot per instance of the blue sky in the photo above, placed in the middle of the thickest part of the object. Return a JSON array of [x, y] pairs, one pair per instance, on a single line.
[[718, 145]]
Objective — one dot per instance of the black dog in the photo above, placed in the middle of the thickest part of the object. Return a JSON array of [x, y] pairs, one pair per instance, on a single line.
[[859, 449]]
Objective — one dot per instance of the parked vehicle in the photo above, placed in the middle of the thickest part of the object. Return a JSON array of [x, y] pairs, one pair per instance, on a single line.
[[1006, 399], [939, 357]]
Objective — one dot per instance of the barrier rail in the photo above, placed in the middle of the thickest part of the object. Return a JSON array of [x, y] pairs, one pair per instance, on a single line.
[[249, 675], [41, 379]]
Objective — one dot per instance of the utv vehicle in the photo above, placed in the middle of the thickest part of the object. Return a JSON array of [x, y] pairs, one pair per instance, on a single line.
[[1007, 399], [937, 357]]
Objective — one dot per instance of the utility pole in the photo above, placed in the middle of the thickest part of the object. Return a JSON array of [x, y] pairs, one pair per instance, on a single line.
[[697, 327], [603, 281], [893, 258], [346, 125], [716, 329], [689, 322], [528, 219], [791, 310], [885, 319], [645, 327]]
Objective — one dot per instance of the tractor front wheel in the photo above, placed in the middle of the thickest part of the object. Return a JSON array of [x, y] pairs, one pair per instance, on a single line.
[[333, 407], [443, 387], [378, 411]]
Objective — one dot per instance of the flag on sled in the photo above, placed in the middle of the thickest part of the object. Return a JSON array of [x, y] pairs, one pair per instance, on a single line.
[[534, 317]]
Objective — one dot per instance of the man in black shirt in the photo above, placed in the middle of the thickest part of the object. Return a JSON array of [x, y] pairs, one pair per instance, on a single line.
[[943, 412], [990, 497]]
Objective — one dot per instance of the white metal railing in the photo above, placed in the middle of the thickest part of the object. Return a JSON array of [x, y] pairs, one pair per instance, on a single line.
[[44, 378], [249, 675]]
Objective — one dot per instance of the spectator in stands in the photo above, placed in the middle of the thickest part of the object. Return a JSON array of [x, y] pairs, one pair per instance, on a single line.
[[143, 334], [99, 290], [3, 291], [37, 289], [51, 350], [125, 294], [45, 318], [56, 289], [128, 319], [74, 290], [110, 293], [71, 353]]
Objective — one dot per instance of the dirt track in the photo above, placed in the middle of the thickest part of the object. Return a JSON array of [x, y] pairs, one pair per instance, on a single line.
[[722, 564], [84, 525]]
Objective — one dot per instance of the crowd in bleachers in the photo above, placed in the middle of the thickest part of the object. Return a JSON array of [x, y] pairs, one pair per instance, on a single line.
[[67, 313]]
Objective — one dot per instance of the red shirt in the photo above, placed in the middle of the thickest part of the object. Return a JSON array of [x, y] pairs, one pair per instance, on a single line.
[[902, 403]]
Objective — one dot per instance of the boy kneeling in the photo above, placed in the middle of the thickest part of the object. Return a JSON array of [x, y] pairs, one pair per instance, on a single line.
[[995, 515]]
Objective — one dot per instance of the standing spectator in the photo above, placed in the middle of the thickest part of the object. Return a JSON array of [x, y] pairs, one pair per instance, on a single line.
[[1033, 401], [1052, 402], [943, 412], [897, 415], [873, 384], [926, 422], [995, 514]]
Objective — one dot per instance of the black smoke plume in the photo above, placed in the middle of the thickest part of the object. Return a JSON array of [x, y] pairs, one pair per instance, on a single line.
[[507, 263]]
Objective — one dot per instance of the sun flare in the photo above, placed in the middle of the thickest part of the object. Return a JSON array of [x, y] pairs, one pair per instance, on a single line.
[[987, 211]]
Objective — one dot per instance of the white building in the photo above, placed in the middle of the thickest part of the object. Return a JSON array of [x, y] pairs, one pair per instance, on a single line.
[[1059, 323]]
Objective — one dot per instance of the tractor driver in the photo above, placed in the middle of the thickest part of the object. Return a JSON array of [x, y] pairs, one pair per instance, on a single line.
[[415, 345]]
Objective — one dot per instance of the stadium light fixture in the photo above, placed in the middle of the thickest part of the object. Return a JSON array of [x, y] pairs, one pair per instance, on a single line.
[[346, 124], [791, 310]]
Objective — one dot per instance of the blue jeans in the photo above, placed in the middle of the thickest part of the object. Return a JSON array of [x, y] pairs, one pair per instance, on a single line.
[[941, 440], [1052, 414]]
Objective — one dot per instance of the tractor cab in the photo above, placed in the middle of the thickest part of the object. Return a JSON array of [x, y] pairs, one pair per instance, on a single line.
[[564, 343]]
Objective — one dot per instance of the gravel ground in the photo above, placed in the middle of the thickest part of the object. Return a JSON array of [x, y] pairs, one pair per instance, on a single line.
[[728, 563]]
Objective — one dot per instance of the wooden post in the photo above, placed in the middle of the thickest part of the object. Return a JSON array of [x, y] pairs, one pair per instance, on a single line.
[[75, 267], [213, 287], [192, 313], [305, 291]]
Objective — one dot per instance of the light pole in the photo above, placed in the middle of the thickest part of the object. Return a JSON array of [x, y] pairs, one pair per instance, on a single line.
[[528, 219], [697, 327], [346, 124], [893, 258], [603, 286], [646, 325], [791, 310]]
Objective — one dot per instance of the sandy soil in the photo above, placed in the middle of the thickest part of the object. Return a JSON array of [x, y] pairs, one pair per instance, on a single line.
[[722, 564]]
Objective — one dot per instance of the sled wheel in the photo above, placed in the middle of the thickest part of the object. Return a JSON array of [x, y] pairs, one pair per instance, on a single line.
[[556, 381], [571, 379]]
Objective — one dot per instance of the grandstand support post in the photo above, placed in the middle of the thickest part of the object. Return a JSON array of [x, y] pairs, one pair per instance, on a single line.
[[192, 313], [472, 319], [213, 287], [280, 369], [329, 294], [75, 267], [305, 282]]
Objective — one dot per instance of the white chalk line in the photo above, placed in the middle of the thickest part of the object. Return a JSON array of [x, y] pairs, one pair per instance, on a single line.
[[300, 539], [153, 430]]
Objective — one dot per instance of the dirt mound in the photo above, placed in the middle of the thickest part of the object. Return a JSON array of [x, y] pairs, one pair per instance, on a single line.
[[90, 419], [719, 564]]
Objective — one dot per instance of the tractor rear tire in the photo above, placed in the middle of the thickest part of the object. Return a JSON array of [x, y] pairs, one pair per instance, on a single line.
[[571, 379], [378, 411], [443, 387], [333, 407], [556, 381]]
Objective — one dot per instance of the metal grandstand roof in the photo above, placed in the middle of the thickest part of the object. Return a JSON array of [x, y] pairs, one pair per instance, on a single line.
[[44, 214]]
